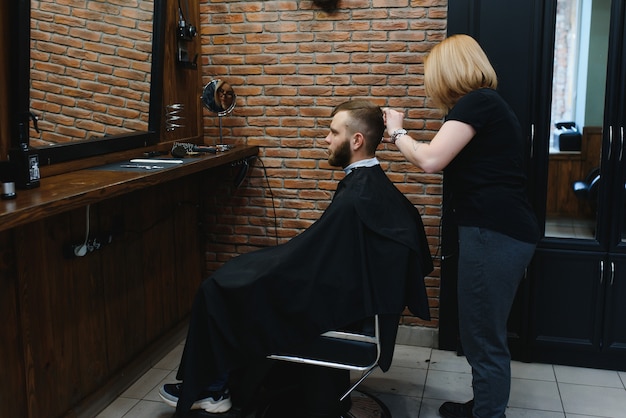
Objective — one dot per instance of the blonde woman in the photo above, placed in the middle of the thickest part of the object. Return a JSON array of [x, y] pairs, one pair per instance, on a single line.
[[480, 149]]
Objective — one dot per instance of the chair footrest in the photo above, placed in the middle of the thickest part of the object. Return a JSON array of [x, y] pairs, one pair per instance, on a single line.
[[333, 350]]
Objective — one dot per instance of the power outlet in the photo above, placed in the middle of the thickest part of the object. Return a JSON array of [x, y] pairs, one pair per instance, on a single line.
[[92, 244]]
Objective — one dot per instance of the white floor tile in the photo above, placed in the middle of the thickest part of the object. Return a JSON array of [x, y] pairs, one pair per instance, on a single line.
[[171, 360], [145, 383], [536, 395], [397, 381], [149, 409], [401, 406], [593, 400], [448, 386], [532, 413], [118, 408], [534, 371], [591, 377], [414, 357], [449, 361]]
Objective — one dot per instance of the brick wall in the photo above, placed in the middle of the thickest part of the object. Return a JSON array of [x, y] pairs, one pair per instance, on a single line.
[[290, 64], [564, 77], [90, 68]]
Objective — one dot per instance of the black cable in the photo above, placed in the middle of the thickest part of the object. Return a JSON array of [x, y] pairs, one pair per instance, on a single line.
[[272, 197], [181, 14], [440, 238], [169, 214]]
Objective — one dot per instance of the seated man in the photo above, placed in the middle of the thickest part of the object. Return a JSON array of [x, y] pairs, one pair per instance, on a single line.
[[366, 255]]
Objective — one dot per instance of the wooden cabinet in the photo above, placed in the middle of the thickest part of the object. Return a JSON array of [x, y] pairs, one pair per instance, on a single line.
[[76, 329], [83, 319], [74, 323]]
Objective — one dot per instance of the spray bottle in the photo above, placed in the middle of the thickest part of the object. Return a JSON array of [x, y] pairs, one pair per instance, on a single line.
[[25, 159]]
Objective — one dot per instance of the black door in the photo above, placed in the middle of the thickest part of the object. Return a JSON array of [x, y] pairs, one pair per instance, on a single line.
[[570, 308], [510, 32]]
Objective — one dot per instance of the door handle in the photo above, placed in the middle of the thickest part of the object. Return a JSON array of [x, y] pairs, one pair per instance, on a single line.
[[612, 272], [532, 139], [610, 143], [601, 271], [621, 143]]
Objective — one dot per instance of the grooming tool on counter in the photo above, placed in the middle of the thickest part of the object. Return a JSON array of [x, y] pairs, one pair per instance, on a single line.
[[155, 161], [224, 147], [152, 154], [182, 149], [145, 167]]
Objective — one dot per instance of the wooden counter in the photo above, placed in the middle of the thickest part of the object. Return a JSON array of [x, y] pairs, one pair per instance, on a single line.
[[68, 191], [77, 330]]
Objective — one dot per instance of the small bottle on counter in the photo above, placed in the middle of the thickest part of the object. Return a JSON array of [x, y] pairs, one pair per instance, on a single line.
[[7, 180], [26, 161]]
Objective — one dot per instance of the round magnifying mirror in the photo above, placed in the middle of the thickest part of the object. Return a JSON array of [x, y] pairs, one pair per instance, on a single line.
[[219, 97]]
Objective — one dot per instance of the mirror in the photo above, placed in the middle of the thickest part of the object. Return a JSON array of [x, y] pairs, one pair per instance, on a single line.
[[95, 72], [219, 97], [578, 96]]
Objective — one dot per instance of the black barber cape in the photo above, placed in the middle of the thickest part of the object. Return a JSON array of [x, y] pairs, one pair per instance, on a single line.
[[367, 254]]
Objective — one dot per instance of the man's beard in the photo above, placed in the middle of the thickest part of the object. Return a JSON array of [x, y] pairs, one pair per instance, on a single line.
[[341, 156]]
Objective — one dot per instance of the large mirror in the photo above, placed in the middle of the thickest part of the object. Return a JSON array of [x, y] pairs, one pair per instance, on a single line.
[[94, 76], [578, 95]]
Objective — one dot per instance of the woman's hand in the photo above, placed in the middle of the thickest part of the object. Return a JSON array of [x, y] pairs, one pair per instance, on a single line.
[[393, 121]]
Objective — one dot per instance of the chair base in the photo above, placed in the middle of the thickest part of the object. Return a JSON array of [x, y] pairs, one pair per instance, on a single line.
[[295, 390], [364, 405]]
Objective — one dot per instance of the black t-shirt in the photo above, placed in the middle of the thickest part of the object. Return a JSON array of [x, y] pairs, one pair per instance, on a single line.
[[486, 180]]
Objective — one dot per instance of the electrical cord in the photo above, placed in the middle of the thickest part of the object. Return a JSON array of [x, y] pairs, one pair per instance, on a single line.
[[241, 176], [181, 13], [269, 187], [168, 214], [81, 250]]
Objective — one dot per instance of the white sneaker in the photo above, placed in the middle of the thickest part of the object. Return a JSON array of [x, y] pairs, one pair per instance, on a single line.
[[210, 401]]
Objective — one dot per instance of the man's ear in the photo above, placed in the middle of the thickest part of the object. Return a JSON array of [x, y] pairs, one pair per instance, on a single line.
[[358, 141]]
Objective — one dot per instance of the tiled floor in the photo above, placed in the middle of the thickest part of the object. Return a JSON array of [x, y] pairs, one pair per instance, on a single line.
[[570, 228], [421, 378]]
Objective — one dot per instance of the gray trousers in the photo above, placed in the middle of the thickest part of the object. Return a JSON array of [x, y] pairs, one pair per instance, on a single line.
[[491, 266]]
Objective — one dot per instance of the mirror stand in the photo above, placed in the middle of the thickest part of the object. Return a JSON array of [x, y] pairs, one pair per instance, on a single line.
[[219, 117]]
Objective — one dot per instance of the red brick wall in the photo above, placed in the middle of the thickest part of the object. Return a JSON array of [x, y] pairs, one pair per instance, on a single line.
[[290, 64]]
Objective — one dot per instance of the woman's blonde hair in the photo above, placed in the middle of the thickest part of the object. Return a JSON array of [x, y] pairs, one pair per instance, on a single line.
[[455, 67]]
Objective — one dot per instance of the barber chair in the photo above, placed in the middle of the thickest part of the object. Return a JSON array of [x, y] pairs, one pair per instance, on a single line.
[[328, 362], [588, 188]]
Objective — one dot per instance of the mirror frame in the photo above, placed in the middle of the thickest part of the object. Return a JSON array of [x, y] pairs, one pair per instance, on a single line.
[[89, 148]]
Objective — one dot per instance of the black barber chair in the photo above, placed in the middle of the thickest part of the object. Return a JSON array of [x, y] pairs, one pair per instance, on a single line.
[[588, 188], [328, 361]]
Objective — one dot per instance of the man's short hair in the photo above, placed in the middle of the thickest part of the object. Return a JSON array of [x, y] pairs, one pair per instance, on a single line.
[[366, 118]]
